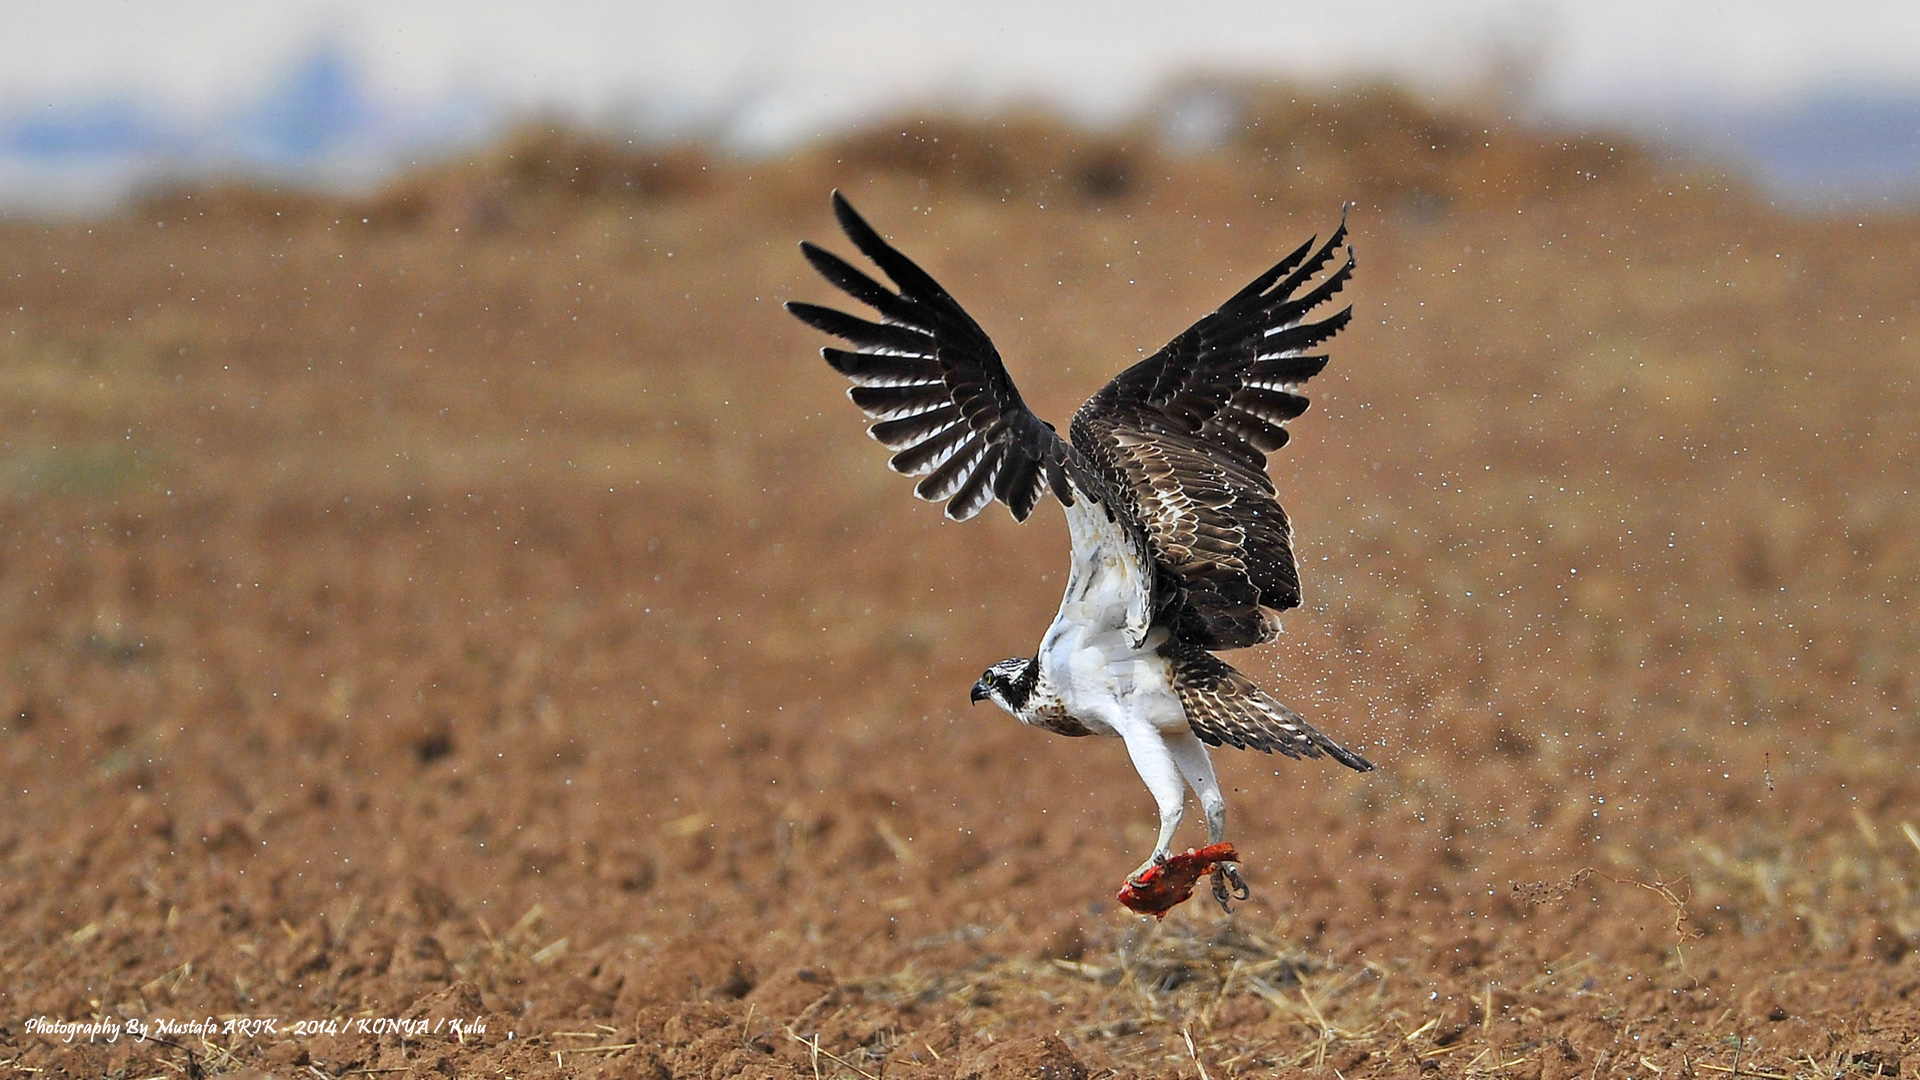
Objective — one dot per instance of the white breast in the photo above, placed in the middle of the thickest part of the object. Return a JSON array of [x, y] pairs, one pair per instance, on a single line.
[[1098, 655]]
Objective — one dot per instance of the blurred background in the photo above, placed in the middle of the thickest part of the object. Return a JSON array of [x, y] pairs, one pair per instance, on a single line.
[[97, 98], [432, 562]]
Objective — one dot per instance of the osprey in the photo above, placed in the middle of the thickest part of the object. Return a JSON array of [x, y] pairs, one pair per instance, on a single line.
[[1180, 548]]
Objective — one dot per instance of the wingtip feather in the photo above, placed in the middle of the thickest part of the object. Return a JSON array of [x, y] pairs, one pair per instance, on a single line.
[[1347, 757], [920, 325]]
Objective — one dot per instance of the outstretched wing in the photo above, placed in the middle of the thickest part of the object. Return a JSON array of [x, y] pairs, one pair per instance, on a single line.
[[1234, 377], [1186, 433], [934, 382], [1224, 707]]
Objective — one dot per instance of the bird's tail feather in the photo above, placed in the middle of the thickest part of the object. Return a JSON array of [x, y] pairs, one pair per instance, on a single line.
[[1225, 708]]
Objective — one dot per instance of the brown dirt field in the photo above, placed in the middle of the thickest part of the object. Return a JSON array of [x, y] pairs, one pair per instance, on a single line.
[[477, 602]]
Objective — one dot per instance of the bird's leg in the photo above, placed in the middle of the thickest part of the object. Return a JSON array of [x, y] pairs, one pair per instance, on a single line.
[[1170, 815], [1147, 746], [1190, 754]]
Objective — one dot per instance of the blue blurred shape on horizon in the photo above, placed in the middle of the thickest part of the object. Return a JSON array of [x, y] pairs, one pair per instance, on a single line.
[[98, 129], [315, 126], [317, 109], [316, 112], [1842, 146]]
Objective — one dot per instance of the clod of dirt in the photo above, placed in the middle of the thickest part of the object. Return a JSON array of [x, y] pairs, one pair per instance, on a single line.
[[638, 1064], [690, 1026], [689, 970], [790, 991], [420, 958], [1880, 940], [1045, 1058], [1876, 1061], [1164, 887], [1068, 941], [461, 1000], [1449, 1035]]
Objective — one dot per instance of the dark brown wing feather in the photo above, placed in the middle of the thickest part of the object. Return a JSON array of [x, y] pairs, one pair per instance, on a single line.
[[1234, 376], [1222, 547], [937, 387], [1187, 431], [1224, 707]]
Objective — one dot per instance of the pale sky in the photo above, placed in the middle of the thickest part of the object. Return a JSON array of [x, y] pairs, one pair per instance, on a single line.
[[789, 70]]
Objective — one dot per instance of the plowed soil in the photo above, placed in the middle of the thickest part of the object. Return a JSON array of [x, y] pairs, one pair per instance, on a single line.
[[477, 602]]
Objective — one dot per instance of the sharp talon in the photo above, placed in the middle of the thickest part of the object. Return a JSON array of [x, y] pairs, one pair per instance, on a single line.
[[1228, 885], [1240, 890], [1138, 877]]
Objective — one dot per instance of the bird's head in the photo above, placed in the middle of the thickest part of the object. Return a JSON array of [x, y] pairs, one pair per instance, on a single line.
[[1008, 683]]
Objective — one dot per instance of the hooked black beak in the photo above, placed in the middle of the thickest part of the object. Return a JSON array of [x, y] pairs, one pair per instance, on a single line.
[[979, 691]]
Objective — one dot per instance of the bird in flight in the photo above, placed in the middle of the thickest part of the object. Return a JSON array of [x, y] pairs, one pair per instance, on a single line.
[[1180, 548]]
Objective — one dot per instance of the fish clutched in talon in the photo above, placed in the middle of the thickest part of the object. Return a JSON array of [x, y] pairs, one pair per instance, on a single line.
[[1168, 883]]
